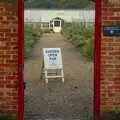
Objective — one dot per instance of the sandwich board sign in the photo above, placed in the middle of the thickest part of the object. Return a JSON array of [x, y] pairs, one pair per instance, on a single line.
[[52, 61], [52, 58]]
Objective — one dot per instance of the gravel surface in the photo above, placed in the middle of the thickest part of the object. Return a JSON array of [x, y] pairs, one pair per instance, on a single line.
[[71, 100]]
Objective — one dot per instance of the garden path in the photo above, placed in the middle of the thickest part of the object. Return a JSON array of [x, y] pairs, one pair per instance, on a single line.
[[71, 100]]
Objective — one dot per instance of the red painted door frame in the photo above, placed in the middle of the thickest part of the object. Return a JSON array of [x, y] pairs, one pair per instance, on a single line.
[[96, 59], [97, 49], [21, 59]]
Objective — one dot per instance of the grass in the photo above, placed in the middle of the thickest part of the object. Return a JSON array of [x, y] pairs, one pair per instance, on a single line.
[[81, 36], [32, 35]]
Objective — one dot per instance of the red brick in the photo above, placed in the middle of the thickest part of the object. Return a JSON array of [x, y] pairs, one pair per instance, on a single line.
[[114, 53], [104, 48], [107, 57], [1, 86], [115, 9], [114, 18], [11, 86], [1, 93], [105, 9], [12, 77], [105, 18], [4, 30], [117, 57], [8, 53], [109, 13], [110, 57]]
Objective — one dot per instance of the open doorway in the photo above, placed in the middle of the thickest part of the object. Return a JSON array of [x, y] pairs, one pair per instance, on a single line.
[[72, 99], [56, 24]]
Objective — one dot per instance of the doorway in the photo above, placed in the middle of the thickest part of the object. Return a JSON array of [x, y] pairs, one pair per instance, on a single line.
[[57, 25], [44, 40]]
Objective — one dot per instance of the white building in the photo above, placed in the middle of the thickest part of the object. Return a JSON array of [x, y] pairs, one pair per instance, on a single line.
[[46, 15]]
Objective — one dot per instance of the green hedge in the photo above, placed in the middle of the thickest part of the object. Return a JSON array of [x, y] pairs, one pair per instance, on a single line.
[[32, 35], [81, 36]]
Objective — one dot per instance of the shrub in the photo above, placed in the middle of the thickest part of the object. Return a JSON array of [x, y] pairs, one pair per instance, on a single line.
[[8, 117], [88, 49], [47, 31], [81, 35], [112, 115], [32, 34]]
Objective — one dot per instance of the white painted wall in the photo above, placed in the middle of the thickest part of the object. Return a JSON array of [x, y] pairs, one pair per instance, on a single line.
[[37, 15]]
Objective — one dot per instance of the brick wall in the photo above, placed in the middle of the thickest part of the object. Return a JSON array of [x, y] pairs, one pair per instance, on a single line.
[[8, 58], [110, 59]]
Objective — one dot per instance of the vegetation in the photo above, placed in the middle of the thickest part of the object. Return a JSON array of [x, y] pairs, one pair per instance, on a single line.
[[8, 117], [81, 35], [32, 35], [111, 115], [58, 4]]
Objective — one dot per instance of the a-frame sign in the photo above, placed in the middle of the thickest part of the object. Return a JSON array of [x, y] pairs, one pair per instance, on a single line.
[[52, 67]]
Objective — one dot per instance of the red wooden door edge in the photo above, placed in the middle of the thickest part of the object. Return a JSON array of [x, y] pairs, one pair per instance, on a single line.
[[20, 59], [96, 59], [97, 50]]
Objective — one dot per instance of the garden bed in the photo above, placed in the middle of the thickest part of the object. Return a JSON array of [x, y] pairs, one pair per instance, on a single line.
[[82, 36], [32, 35]]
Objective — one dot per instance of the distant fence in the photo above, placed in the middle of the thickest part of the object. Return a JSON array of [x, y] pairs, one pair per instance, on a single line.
[[47, 25], [43, 25], [43, 17]]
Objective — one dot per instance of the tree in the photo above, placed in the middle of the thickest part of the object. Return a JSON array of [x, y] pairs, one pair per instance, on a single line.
[[76, 4]]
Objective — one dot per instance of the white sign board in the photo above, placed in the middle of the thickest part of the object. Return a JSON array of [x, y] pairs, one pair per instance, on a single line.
[[52, 58]]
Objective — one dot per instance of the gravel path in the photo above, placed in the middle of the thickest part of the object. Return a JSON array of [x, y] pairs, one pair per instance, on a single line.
[[71, 100]]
